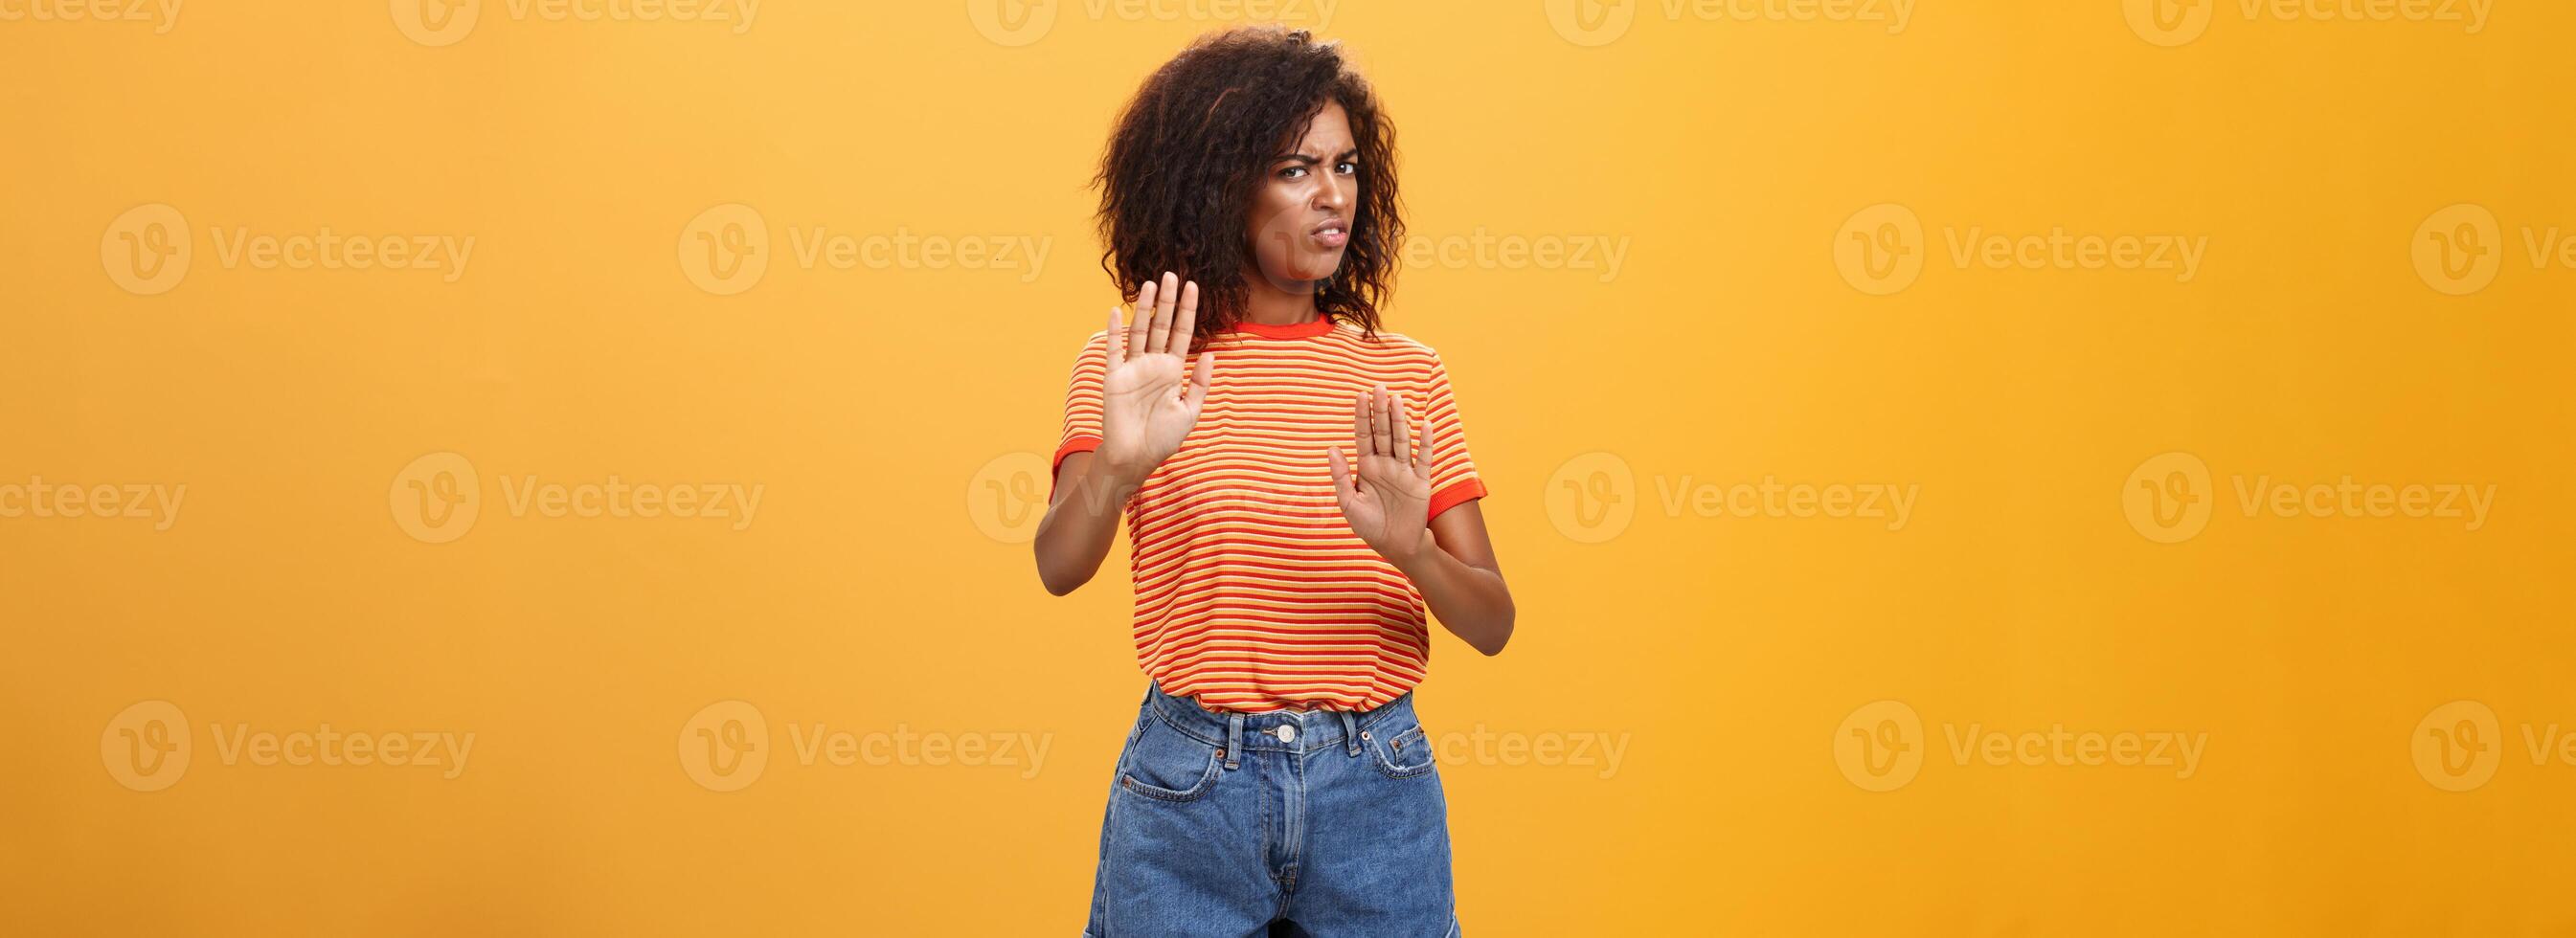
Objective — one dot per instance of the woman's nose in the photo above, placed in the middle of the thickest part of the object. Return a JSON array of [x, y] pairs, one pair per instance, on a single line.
[[1334, 193]]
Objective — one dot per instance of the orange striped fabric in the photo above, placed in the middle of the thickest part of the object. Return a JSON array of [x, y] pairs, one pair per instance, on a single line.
[[1252, 592]]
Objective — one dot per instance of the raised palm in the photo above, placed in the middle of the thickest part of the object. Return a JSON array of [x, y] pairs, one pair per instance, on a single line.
[[1146, 409], [1387, 499]]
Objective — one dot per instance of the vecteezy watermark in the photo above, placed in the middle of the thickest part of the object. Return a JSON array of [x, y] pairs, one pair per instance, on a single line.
[[1592, 497], [2169, 498], [1601, 22], [1483, 250], [149, 746], [1881, 250], [726, 746], [2177, 22], [156, 502], [1880, 746], [447, 22], [725, 250], [148, 249], [2459, 249], [2458, 746], [1022, 22], [1007, 497], [438, 497], [162, 14], [1588, 749]]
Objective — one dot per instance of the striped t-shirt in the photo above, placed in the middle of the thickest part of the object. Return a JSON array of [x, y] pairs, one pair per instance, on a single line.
[[1252, 592]]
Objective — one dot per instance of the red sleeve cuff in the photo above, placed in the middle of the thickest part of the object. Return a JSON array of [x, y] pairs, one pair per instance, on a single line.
[[1458, 493], [1078, 443]]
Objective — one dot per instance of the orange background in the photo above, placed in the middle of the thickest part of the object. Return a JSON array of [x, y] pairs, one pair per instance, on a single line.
[[892, 413]]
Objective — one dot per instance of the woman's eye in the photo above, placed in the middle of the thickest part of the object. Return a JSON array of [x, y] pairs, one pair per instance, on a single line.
[[1292, 172], [1347, 168]]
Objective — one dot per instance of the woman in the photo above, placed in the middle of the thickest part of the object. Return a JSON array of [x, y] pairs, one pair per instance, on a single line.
[[1276, 778]]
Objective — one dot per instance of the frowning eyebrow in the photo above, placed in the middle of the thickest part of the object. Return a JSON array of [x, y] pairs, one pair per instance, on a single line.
[[1350, 154]]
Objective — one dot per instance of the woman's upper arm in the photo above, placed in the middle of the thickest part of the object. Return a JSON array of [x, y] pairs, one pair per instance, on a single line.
[[1461, 531]]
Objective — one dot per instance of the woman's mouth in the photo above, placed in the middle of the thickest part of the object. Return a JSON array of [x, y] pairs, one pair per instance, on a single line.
[[1331, 235]]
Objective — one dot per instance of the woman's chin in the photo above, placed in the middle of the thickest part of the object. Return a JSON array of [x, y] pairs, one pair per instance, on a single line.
[[1304, 279], [1320, 267]]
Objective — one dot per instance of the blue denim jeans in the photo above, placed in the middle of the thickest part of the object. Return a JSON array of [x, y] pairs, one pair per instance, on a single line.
[[1321, 823]]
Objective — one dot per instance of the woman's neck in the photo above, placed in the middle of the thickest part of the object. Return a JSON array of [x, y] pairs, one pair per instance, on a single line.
[[1272, 305]]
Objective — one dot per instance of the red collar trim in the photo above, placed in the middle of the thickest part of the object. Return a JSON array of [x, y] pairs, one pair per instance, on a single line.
[[1312, 327]]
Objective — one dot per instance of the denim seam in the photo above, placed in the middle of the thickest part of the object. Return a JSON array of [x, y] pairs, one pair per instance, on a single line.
[[1207, 781], [1263, 793], [1166, 720], [1297, 835]]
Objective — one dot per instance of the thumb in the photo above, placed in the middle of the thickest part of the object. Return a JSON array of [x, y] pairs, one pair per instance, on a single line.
[[1203, 372], [1341, 473]]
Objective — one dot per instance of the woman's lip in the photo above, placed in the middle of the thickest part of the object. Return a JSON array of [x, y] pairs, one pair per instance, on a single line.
[[1331, 239]]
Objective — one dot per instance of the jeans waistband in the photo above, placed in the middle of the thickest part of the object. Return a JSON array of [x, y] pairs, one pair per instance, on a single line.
[[1304, 730]]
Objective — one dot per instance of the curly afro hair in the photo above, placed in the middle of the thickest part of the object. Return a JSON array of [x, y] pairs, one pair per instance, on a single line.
[[1196, 143]]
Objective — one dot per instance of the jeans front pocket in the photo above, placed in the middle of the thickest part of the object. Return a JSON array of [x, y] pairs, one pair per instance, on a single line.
[[1400, 749], [1165, 764]]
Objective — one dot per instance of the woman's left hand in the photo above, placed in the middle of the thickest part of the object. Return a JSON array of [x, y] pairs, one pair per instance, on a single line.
[[1389, 502]]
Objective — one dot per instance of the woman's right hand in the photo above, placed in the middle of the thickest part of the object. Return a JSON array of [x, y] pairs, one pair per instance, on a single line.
[[1145, 409]]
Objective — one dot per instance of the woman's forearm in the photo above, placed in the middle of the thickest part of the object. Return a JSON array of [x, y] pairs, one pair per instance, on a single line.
[[1081, 521], [1471, 601]]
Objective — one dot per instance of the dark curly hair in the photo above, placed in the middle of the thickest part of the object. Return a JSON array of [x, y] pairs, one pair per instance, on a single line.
[[1196, 143]]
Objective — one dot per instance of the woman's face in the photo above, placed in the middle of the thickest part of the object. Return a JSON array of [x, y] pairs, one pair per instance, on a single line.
[[1301, 216]]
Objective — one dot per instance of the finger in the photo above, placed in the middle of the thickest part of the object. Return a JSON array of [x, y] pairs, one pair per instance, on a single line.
[[1117, 350], [1203, 372], [1380, 425], [1422, 463], [1185, 326], [1400, 431], [1341, 472], [1158, 334], [1360, 424], [1140, 338]]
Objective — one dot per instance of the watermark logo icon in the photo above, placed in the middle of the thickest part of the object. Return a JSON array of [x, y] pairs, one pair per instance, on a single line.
[[1592, 497], [725, 746], [2168, 497], [146, 747], [147, 249], [2458, 745], [1007, 497], [436, 22], [1879, 249], [2170, 23], [1012, 22], [1879, 746], [725, 249], [436, 498], [1591, 22], [2459, 249]]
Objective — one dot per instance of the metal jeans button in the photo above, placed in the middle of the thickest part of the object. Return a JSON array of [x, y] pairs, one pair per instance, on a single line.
[[1286, 733]]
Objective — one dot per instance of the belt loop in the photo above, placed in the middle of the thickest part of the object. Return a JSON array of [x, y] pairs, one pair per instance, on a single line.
[[1350, 730], [1234, 740]]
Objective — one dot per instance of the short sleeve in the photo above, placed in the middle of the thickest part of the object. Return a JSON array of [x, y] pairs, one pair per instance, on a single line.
[[1082, 401], [1453, 471]]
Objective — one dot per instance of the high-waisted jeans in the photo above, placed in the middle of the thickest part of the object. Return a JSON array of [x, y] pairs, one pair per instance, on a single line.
[[1319, 823]]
